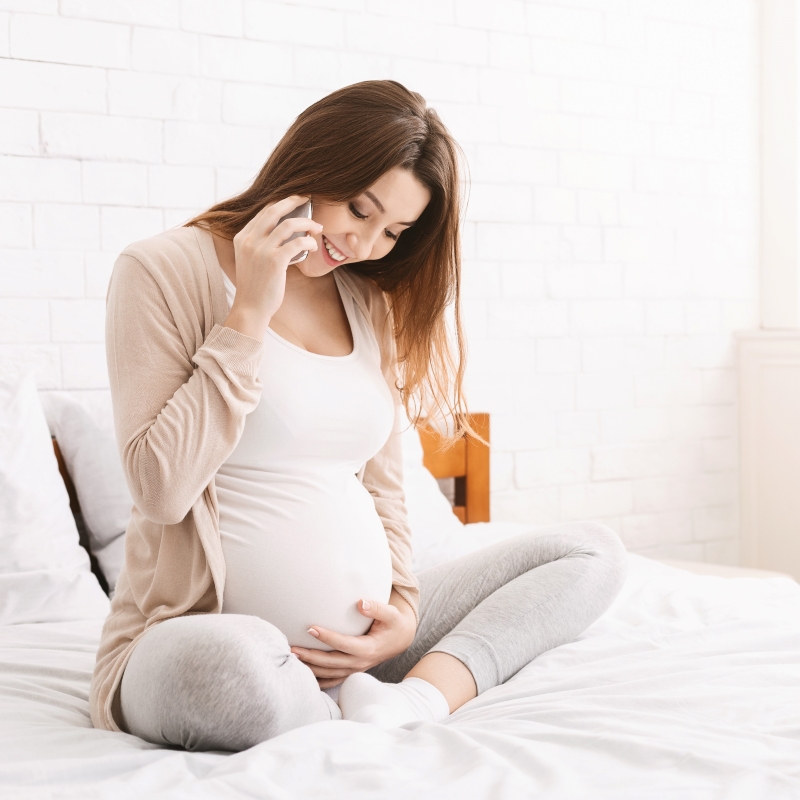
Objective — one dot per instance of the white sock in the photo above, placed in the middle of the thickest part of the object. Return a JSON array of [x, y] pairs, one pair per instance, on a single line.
[[363, 698]]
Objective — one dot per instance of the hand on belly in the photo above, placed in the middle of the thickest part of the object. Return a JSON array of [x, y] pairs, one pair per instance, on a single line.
[[391, 626], [303, 558]]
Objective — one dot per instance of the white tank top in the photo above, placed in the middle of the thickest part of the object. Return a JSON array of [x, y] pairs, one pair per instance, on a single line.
[[300, 534]]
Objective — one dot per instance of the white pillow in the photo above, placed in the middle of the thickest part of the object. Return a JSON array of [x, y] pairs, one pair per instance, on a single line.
[[44, 572], [435, 529], [83, 424], [438, 535]]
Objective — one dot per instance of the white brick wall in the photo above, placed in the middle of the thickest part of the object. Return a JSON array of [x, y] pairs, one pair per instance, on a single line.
[[610, 242]]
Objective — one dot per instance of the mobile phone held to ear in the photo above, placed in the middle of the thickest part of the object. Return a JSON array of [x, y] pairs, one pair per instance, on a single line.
[[301, 211]]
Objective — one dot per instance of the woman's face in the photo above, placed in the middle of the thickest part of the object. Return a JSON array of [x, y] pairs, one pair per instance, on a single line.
[[368, 226]]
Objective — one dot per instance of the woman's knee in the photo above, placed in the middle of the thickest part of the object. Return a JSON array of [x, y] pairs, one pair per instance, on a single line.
[[592, 540], [244, 657], [214, 682], [571, 537], [275, 691], [607, 542], [605, 545], [212, 644]]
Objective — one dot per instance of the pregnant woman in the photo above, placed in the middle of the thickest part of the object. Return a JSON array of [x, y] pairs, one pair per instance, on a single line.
[[258, 405]]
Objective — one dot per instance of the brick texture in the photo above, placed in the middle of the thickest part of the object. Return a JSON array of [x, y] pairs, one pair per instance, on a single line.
[[610, 241]]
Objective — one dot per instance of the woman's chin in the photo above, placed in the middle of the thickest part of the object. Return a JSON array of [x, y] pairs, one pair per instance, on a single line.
[[314, 266]]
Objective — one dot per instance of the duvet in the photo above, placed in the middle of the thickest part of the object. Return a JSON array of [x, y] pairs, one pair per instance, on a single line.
[[688, 687]]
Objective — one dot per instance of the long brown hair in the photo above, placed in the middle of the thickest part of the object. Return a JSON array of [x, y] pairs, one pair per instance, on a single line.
[[335, 150]]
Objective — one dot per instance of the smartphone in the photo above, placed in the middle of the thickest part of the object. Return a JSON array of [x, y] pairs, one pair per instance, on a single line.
[[301, 211]]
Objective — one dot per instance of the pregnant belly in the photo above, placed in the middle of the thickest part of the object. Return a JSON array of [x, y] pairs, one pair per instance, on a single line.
[[302, 552]]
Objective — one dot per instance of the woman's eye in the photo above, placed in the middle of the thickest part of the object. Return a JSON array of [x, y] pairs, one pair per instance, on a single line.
[[358, 215], [356, 212]]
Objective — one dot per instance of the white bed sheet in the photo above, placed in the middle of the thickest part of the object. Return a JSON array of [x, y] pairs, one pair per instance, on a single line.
[[689, 687]]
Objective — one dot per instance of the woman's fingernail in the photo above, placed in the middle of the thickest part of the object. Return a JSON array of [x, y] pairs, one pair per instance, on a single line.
[[314, 633], [365, 604]]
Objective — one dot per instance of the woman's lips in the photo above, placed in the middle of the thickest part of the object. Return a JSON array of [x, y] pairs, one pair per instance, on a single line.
[[327, 256]]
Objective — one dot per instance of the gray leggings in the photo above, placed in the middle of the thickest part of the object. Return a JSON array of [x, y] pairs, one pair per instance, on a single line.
[[228, 682]]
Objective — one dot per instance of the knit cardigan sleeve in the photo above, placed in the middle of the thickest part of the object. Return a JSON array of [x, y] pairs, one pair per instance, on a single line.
[[383, 474], [180, 400]]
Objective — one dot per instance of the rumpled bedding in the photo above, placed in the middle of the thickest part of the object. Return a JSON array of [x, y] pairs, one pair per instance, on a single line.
[[688, 687]]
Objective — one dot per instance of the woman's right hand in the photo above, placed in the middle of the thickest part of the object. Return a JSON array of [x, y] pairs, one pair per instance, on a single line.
[[262, 261]]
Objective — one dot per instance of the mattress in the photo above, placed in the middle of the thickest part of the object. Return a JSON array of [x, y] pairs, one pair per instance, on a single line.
[[688, 687]]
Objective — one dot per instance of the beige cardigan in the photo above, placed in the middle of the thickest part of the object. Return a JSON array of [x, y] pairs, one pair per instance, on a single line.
[[181, 386]]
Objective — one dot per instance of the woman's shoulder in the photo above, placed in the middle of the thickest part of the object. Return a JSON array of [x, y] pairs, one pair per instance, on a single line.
[[172, 249], [175, 265]]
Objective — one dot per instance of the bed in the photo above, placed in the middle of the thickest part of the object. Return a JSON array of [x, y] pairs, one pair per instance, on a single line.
[[688, 687]]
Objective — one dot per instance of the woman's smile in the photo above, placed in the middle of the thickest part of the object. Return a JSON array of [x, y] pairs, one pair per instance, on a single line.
[[331, 253]]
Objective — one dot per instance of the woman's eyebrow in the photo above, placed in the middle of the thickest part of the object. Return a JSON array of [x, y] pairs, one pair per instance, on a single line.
[[380, 208]]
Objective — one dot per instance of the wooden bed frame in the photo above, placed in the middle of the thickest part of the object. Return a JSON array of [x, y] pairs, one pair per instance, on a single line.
[[467, 462]]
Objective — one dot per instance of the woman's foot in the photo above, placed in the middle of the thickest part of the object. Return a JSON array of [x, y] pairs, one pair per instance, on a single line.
[[363, 698]]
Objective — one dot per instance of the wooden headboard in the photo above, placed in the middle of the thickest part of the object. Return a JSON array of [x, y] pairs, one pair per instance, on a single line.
[[467, 461]]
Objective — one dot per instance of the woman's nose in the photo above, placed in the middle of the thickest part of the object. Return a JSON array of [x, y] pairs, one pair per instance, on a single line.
[[361, 246]]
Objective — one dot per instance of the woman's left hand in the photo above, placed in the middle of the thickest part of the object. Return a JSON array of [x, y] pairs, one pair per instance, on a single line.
[[392, 631]]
